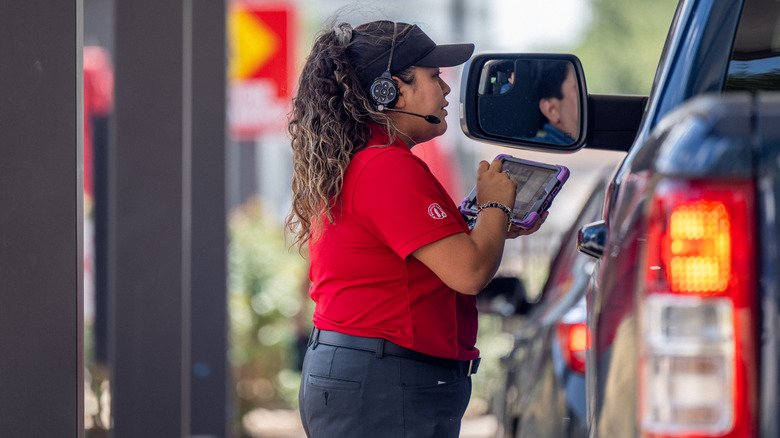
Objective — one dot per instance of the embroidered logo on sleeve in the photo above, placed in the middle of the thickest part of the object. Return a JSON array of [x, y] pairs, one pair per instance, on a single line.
[[436, 212]]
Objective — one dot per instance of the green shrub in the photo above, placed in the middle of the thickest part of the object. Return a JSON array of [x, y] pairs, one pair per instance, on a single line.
[[269, 311]]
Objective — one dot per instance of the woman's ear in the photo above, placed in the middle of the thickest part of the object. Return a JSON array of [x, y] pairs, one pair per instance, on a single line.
[[402, 88]]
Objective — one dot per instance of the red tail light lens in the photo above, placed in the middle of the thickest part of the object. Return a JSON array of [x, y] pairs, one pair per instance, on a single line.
[[698, 300], [573, 341], [697, 248]]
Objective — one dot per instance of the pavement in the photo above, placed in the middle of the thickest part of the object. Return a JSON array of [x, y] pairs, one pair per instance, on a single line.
[[280, 423]]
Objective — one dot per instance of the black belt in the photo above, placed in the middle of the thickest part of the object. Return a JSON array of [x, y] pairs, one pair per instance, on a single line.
[[381, 347]]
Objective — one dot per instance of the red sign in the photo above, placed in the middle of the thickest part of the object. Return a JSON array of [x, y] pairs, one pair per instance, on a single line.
[[261, 67]]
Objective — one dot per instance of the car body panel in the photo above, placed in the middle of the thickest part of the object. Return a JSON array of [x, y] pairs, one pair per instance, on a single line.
[[543, 396]]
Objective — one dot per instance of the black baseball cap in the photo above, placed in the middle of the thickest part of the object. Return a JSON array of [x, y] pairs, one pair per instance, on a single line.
[[414, 47]]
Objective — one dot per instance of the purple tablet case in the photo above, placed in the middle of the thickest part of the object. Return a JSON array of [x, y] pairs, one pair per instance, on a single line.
[[527, 213]]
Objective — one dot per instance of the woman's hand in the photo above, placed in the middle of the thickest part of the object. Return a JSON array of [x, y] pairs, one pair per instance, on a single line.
[[493, 185], [516, 231]]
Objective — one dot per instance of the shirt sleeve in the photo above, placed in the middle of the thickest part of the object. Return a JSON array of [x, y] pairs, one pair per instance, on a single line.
[[400, 202]]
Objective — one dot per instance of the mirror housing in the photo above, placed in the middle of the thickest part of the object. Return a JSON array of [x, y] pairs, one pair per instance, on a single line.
[[592, 238], [505, 117], [503, 100]]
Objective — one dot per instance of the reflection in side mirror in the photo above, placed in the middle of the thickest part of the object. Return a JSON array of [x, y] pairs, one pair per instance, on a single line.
[[545, 98], [534, 99]]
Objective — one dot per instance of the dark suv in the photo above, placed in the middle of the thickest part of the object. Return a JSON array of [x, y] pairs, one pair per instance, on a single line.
[[683, 301]]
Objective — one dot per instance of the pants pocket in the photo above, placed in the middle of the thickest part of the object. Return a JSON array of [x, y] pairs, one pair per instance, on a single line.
[[328, 395]]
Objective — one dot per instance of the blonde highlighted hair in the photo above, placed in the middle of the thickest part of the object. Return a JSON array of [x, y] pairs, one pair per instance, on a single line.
[[329, 120]]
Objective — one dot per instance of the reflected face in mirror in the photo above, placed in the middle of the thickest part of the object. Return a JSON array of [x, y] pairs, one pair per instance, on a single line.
[[562, 109], [530, 98]]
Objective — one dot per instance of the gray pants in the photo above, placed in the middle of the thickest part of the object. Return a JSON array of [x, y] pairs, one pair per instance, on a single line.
[[349, 393]]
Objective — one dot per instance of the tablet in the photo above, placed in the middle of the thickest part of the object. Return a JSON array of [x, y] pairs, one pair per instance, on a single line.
[[537, 185]]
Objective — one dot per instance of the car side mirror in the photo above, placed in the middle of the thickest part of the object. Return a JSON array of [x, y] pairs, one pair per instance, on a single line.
[[504, 296], [592, 238], [525, 100]]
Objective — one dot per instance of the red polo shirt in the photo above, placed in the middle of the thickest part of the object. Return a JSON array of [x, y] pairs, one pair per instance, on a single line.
[[364, 281]]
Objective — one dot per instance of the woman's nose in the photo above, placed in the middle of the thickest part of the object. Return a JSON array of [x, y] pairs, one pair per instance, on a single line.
[[444, 87]]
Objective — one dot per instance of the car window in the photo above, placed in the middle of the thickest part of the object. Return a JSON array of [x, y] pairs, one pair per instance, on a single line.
[[755, 58]]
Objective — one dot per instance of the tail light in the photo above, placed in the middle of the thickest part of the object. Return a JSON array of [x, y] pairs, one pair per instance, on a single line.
[[698, 363], [573, 337], [573, 341]]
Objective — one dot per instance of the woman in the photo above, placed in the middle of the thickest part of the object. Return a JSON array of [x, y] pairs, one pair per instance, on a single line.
[[394, 268]]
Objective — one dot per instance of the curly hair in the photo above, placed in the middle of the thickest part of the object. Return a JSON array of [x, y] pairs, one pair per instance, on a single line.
[[329, 120]]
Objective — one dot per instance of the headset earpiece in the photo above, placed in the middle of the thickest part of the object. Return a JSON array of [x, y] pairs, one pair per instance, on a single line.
[[384, 90]]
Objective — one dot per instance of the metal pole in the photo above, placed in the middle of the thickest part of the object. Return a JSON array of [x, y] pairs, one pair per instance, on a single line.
[[41, 219], [150, 220], [209, 374]]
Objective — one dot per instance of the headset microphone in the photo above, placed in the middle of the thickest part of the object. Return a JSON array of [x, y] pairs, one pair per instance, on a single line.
[[429, 118]]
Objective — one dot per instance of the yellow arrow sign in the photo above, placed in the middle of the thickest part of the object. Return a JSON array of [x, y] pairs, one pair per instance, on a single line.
[[252, 43]]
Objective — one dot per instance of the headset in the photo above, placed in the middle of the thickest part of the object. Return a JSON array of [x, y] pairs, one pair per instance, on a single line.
[[384, 90]]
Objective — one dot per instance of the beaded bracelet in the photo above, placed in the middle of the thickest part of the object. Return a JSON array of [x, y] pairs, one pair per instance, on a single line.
[[504, 208]]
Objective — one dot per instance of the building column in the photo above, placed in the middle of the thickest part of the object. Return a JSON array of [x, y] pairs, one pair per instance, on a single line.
[[150, 220], [41, 219], [167, 244]]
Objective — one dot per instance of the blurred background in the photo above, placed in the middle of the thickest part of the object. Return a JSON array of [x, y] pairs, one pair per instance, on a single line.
[[269, 312]]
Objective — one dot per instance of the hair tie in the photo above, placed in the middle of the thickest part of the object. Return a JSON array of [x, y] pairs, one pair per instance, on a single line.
[[343, 33]]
